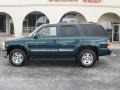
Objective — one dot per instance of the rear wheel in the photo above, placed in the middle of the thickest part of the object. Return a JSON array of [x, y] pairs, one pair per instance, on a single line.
[[87, 58], [17, 57]]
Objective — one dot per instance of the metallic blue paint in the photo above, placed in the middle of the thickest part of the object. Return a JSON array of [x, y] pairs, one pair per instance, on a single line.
[[57, 47]]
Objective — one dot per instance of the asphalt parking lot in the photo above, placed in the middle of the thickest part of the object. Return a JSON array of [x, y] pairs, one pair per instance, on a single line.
[[61, 75]]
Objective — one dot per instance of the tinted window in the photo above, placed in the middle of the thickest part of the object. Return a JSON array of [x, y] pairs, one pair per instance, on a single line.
[[93, 30], [68, 31], [47, 32]]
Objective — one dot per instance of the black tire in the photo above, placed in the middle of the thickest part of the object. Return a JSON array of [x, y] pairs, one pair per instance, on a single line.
[[22, 56], [81, 58]]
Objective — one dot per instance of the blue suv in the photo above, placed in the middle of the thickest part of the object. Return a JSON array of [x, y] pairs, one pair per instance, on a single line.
[[84, 42]]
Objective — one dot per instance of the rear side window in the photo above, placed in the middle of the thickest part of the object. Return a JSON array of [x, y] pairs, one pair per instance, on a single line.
[[93, 30], [68, 31]]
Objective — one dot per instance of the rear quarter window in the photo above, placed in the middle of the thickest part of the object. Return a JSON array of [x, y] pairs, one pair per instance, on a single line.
[[94, 30]]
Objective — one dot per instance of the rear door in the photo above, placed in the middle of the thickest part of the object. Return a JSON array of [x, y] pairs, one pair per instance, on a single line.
[[69, 38]]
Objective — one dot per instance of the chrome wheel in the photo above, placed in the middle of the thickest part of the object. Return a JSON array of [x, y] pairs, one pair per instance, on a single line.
[[87, 59], [17, 58]]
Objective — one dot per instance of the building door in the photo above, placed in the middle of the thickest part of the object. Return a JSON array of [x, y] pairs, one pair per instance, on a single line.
[[116, 32]]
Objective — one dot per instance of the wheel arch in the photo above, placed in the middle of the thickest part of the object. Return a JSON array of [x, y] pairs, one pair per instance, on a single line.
[[10, 48], [93, 48]]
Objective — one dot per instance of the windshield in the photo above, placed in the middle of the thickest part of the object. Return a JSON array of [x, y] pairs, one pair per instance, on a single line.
[[31, 34]]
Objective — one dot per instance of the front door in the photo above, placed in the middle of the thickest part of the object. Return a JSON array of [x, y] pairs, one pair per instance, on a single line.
[[46, 43]]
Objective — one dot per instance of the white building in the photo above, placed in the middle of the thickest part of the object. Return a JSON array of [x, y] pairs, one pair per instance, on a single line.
[[22, 17]]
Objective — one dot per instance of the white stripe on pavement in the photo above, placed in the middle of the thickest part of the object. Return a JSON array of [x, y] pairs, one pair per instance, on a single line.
[[113, 54]]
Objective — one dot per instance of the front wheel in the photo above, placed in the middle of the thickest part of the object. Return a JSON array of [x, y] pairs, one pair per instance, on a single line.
[[87, 58], [17, 57]]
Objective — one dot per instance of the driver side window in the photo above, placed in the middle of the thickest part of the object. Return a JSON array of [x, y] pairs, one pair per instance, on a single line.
[[47, 32]]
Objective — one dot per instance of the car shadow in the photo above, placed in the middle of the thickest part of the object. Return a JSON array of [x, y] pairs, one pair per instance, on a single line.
[[62, 63], [59, 63], [53, 63]]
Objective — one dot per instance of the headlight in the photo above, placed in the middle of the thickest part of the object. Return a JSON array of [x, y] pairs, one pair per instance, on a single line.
[[3, 45]]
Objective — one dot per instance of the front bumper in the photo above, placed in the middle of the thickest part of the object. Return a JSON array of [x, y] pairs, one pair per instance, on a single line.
[[4, 53]]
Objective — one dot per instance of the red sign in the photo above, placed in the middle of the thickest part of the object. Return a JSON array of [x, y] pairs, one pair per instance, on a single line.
[[84, 1], [92, 1], [63, 0]]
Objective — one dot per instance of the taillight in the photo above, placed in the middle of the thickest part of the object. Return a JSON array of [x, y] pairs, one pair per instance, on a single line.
[[109, 44]]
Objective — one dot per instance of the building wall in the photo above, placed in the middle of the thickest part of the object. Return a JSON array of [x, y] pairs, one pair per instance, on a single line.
[[54, 11]]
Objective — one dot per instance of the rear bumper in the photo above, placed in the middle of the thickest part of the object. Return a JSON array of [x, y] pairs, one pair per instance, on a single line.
[[109, 52], [104, 52]]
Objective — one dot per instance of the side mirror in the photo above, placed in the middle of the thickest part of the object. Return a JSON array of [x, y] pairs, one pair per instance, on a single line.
[[35, 36]]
